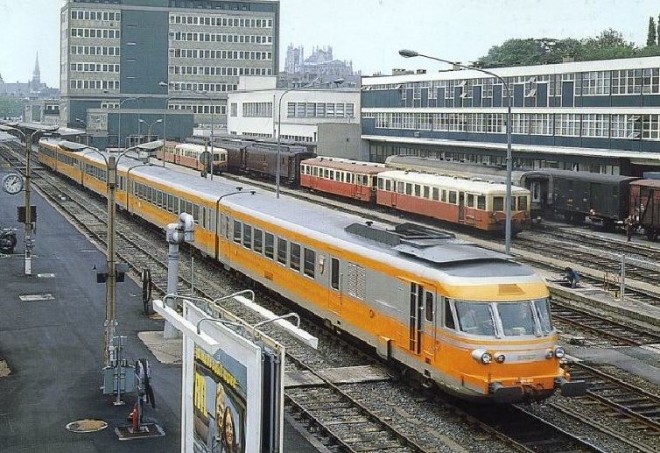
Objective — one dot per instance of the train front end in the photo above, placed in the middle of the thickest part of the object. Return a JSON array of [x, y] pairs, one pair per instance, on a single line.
[[504, 348]]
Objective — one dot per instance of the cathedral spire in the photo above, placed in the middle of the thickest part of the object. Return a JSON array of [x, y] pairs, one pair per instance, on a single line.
[[36, 75]]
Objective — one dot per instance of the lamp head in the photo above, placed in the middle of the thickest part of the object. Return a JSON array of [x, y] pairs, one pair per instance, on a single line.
[[407, 53]]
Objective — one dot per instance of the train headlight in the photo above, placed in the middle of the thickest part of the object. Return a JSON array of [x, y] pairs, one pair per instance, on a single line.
[[560, 352], [500, 358], [483, 356], [549, 354]]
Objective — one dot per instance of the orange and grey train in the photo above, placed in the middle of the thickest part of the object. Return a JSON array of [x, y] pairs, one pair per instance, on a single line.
[[470, 320]]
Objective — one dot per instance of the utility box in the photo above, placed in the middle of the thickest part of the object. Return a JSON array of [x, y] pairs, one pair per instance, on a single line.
[[121, 377]]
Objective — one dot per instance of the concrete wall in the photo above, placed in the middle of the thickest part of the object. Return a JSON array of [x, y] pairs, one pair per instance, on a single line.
[[341, 140]]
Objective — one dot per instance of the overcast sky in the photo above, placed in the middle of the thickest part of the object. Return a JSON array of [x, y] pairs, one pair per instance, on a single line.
[[368, 32]]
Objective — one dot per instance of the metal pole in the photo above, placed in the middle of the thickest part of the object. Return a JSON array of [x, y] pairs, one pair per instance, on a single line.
[[112, 276], [509, 163], [278, 167], [212, 118], [622, 292], [28, 206]]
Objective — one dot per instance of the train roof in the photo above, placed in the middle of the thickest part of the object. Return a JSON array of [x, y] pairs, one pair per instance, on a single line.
[[421, 250], [345, 164], [194, 147], [655, 183], [467, 185], [580, 175]]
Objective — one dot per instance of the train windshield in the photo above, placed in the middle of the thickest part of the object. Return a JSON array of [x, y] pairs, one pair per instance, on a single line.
[[517, 318], [475, 318], [508, 319]]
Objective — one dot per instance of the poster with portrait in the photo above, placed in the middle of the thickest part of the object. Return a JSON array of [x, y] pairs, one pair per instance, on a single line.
[[219, 402]]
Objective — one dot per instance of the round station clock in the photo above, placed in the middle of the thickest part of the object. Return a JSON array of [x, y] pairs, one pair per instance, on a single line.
[[12, 183]]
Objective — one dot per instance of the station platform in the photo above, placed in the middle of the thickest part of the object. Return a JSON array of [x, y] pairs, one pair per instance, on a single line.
[[51, 349]]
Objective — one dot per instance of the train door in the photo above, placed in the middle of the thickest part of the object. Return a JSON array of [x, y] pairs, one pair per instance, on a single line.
[[461, 206], [421, 323], [334, 298]]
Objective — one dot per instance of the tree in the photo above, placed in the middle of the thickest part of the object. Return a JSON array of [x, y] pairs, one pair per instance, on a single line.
[[651, 37], [514, 52]]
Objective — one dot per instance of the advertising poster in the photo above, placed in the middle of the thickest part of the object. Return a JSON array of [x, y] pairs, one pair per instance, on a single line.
[[219, 403]]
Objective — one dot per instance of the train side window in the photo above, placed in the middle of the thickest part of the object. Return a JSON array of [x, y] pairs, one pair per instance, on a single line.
[[449, 316], [258, 240], [428, 306], [388, 185], [332, 175], [522, 203], [498, 203], [435, 194], [481, 202], [409, 188], [270, 245], [444, 196], [380, 184], [281, 250], [418, 190], [310, 259], [426, 192], [334, 274], [452, 197], [294, 256], [237, 231], [247, 236], [400, 187]]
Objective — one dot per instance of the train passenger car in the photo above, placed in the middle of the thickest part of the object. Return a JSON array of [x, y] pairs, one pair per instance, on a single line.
[[63, 157], [476, 204], [260, 159], [343, 177], [645, 206], [470, 320], [194, 156]]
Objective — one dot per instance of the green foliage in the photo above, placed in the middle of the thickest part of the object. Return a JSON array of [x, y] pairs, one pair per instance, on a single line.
[[609, 44], [651, 37], [11, 107]]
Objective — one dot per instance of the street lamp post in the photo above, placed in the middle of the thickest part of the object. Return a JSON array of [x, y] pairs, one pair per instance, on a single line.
[[29, 243], [150, 125], [119, 142], [507, 228], [111, 283], [278, 167]]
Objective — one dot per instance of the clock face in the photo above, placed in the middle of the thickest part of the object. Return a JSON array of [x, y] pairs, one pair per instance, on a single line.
[[12, 183]]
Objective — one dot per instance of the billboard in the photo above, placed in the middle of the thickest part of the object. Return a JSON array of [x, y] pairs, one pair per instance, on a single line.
[[232, 385], [219, 402]]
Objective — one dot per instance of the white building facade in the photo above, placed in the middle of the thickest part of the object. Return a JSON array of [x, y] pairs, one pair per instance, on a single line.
[[259, 110]]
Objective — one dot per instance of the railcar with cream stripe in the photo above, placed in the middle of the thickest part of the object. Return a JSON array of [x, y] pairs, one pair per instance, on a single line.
[[194, 156], [470, 320], [343, 177], [477, 204]]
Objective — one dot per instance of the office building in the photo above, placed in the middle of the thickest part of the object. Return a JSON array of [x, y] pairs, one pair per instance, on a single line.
[[599, 116], [131, 61]]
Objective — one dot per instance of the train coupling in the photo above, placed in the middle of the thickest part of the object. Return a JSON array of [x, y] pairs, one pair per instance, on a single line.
[[572, 389], [505, 395]]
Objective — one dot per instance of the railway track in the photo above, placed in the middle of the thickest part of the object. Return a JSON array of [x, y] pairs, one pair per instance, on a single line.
[[142, 252]]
